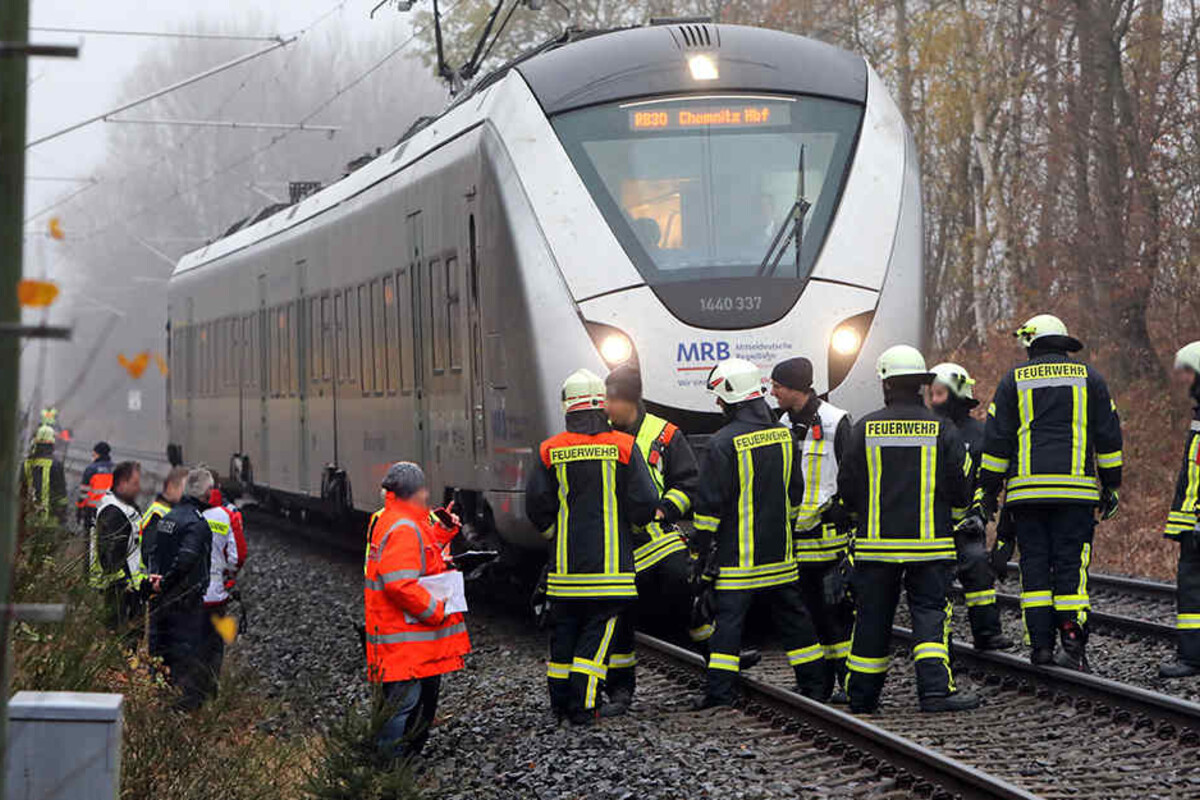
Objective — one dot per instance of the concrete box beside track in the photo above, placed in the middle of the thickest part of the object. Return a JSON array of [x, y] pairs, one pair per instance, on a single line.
[[64, 746]]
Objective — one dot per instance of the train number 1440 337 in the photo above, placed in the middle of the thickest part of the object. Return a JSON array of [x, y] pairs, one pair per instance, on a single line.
[[740, 303]]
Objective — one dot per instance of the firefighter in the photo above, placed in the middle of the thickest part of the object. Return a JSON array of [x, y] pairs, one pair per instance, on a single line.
[[172, 491], [1053, 443], [1183, 525], [749, 495], [96, 480], [660, 557], [951, 397], [821, 432], [411, 638], [114, 557], [588, 487], [903, 471], [44, 483]]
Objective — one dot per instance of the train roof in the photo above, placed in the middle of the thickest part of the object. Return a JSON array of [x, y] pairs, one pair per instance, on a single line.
[[653, 60], [576, 70]]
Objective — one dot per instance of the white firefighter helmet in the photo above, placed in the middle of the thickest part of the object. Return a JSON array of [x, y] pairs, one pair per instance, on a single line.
[[1049, 328], [1188, 357], [735, 380], [583, 390], [955, 378], [44, 434], [900, 360]]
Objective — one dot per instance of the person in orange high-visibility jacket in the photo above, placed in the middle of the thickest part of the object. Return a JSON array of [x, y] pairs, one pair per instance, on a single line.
[[410, 639]]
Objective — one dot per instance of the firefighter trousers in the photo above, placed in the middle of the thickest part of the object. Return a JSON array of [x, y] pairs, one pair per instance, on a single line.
[[876, 594], [1187, 599], [833, 621], [1055, 544], [663, 606], [787, 613], [581, 636], [979, 591]]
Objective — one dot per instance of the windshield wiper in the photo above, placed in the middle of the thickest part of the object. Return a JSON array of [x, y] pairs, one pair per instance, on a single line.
[[791, 228]]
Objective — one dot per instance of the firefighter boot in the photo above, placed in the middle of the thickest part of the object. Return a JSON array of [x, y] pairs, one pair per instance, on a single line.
[[955, 701], [1073, 654], [748, 659], [1178, 669], [1042, 656], [993, 641]]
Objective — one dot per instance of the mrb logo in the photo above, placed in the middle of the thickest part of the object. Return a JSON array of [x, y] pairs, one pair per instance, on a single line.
[[689, 352]]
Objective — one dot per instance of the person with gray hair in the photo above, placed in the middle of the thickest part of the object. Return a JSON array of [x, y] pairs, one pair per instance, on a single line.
[[179, 573]]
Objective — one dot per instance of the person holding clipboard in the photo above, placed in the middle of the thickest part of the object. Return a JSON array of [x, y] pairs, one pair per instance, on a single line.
[[415, 631]]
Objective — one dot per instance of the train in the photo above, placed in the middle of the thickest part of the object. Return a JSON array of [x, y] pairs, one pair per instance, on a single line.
[[666, 196]]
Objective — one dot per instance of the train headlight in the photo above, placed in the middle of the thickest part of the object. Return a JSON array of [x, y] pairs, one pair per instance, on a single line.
[[845, 341], [615, 348], [703, 67]]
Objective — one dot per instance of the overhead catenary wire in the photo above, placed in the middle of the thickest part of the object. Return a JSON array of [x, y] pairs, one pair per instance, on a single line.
[[229, 37]]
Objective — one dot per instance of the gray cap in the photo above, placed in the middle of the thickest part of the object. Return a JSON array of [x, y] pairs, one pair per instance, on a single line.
[[403, 479]]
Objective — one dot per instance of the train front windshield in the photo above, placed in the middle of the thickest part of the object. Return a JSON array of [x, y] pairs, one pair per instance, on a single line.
[[698, 188]]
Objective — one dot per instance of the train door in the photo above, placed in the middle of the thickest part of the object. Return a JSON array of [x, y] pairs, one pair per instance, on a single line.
[[303, 340], [264, 383], [475, 332], [420, 292]]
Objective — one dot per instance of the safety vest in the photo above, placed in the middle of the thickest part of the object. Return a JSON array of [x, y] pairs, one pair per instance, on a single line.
[[97, 577], [156, 510], [408, 633], [652, 439], [223, 556], [813, 540], [39, 495]]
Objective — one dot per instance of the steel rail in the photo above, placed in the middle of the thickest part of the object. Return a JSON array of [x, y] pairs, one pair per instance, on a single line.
[[1142, 586], [1168, 710], [1103, 619], [924, 764]]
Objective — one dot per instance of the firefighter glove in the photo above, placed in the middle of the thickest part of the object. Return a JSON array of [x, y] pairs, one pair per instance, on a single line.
[[835, 583], [1006, 544], [1110, 500]]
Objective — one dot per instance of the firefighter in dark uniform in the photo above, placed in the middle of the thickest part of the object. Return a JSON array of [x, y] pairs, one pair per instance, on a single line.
[[904, 470], [1183, 525], [587, 488], [750, 494], [951, 397], [43, 481], [660, 557], [1053, 443], [822, 536]]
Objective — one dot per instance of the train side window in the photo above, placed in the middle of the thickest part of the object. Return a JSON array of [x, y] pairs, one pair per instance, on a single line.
[[293, 339], [389, 334], [436, 324], [353, 336], [453, 314], [406, 289], [378, 323], [272, 343], [278, 363], [314, 350], [339, 337], [368, 339], [327, 331]]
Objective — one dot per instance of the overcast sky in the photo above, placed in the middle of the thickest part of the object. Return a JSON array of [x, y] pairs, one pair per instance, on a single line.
[[63, 91]]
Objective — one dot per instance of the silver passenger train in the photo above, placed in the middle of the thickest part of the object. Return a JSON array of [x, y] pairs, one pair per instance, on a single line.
[[670, 196]]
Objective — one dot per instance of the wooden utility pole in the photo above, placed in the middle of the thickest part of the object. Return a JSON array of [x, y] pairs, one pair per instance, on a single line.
[[14, 40]]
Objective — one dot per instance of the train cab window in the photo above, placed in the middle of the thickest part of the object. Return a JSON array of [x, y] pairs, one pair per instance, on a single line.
[[380, 350], [327, 332], [367, 338], [389, 333], [437, 315], [407, 362], [696, 188], [453, 314]]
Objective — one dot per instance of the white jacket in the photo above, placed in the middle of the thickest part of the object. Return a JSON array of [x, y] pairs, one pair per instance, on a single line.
[[225, 556]]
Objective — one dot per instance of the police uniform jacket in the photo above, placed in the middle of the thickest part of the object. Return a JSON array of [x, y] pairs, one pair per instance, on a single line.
[[748, 498], [183, 552], [587, 488], [672, 466], [904, 470], [1182, 517], [1052, 434]]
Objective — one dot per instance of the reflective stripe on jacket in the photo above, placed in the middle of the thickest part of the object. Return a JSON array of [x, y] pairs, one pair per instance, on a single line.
[[96, 481], [102, 542], [1184, 507], [37, 484], [224, 559], [672, 467], [1052, 434], [409, 635], [821, 434]]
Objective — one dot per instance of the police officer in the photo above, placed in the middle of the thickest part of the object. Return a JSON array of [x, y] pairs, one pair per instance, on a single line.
[[44, 483], [114, 555], [1053, 442], [588, 486], [822, 537], [903, 471], [1183, 525], [172, 491], [750, 493], [96, 480], [180, 575], [660, 557], [951, 397]]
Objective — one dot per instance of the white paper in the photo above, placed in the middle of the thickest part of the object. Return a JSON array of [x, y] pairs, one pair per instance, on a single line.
[[447, 586]]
